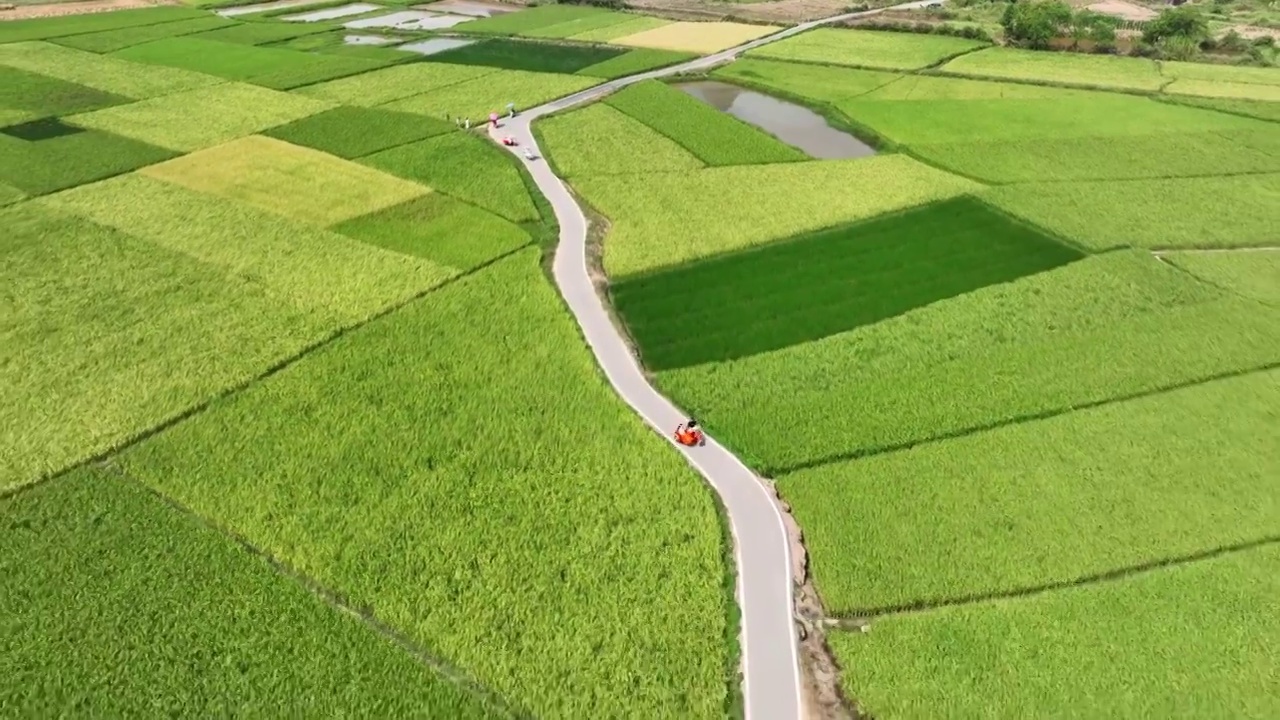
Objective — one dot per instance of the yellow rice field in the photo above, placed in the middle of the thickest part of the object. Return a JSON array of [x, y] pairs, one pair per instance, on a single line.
[[696, 37]]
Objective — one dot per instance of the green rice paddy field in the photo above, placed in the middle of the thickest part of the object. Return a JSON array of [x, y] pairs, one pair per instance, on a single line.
[[292, 414], [1017, 376]]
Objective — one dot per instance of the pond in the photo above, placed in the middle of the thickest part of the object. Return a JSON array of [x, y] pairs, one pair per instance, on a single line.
[[793, 124]]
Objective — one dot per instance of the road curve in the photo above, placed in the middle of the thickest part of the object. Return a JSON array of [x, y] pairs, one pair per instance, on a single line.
[[770, 661]]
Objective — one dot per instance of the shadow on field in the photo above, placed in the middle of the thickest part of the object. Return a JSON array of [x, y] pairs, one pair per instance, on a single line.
[[806, 288]]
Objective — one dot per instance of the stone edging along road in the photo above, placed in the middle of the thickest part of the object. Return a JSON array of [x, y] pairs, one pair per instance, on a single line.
[[770, 661]]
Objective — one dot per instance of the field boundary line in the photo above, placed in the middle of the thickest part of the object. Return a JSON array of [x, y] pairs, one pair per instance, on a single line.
[[234, 389], [783, 470], [1161, 252], [854, 619], [337, 601]]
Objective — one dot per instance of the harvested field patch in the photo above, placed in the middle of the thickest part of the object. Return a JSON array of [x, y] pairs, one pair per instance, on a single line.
[[201, 118], [586, 24], [696, 37], [42, 28], [37, 96], [275, 68], [1107, 71], [818, 82], [299, 183], [1220, 89], [477, 98], [351, 132], [987, 513], [108, 335], [913, 122], [615, 28], [250, 628], [261, 33], [1252, 274], [719, 210], [715, 137], [531, 56], [1251, 108], [1164, 213], [776, 296], [601, 140], [109, 74], [62, 161], [486, 364], [393, 83], [1191, 639], [466, 167], [867, 48], [635, 61], [530, 19], [1104, 327], [441, 229], [319, 272], [112, 40], [1101, 158]]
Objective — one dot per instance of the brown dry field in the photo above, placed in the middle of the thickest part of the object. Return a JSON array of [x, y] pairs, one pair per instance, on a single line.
[[55, 9]]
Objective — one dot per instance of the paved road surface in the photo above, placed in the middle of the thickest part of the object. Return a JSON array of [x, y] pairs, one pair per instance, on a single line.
[[770, 664]]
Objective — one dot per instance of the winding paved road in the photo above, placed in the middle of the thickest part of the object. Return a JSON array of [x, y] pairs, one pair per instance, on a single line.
[[770, 662]]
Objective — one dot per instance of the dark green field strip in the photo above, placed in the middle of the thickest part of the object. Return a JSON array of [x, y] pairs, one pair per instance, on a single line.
[[441, 229], [469, 168], [261, 33], [531, 56], [112, 40], [635, 61], [1194, 640], [52, 27], [351, 132], [524, 21], [827, 282], [44, 96], [715, 137], [116, 604], [1260, 109], [269, 67], [1133, 484], [67, 160]]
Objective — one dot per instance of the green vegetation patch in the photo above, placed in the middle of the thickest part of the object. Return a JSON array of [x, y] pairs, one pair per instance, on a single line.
[[608, 27], [34, 96], [1105, 327], [867, 48], [108, 335], [441, 229], [528, 20], [913, 122], [351, 132], [112, 40], [719, 210], [102, 72], [1219, 89], [532, 56], [934, 87], [1197, 639], [341, 280], [583, 25], [477, 98], [715, 137], [1102, 158], [823, 83], [1220, 73], [1125, 73], [599, 140], [253, 641], [394, 83], [1254, 274], [261, 33], [299, 183], [201, 118], [466, 167], [778, 295], [51, 27], [1214, 212], [1250, 108], [438, 423], [10, 194], [66, 160], [635, 61], [987, 513], [269, 67]]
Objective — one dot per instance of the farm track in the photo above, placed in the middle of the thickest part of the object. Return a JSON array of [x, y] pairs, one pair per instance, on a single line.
[[770, 663]]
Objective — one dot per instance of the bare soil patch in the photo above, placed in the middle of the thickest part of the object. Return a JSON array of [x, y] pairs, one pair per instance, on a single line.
[[1123, 10], [27, 12], [780, 12], [1252, 32]]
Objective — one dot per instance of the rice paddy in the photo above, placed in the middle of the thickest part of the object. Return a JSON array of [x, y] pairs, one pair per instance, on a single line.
[[867, 48]]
